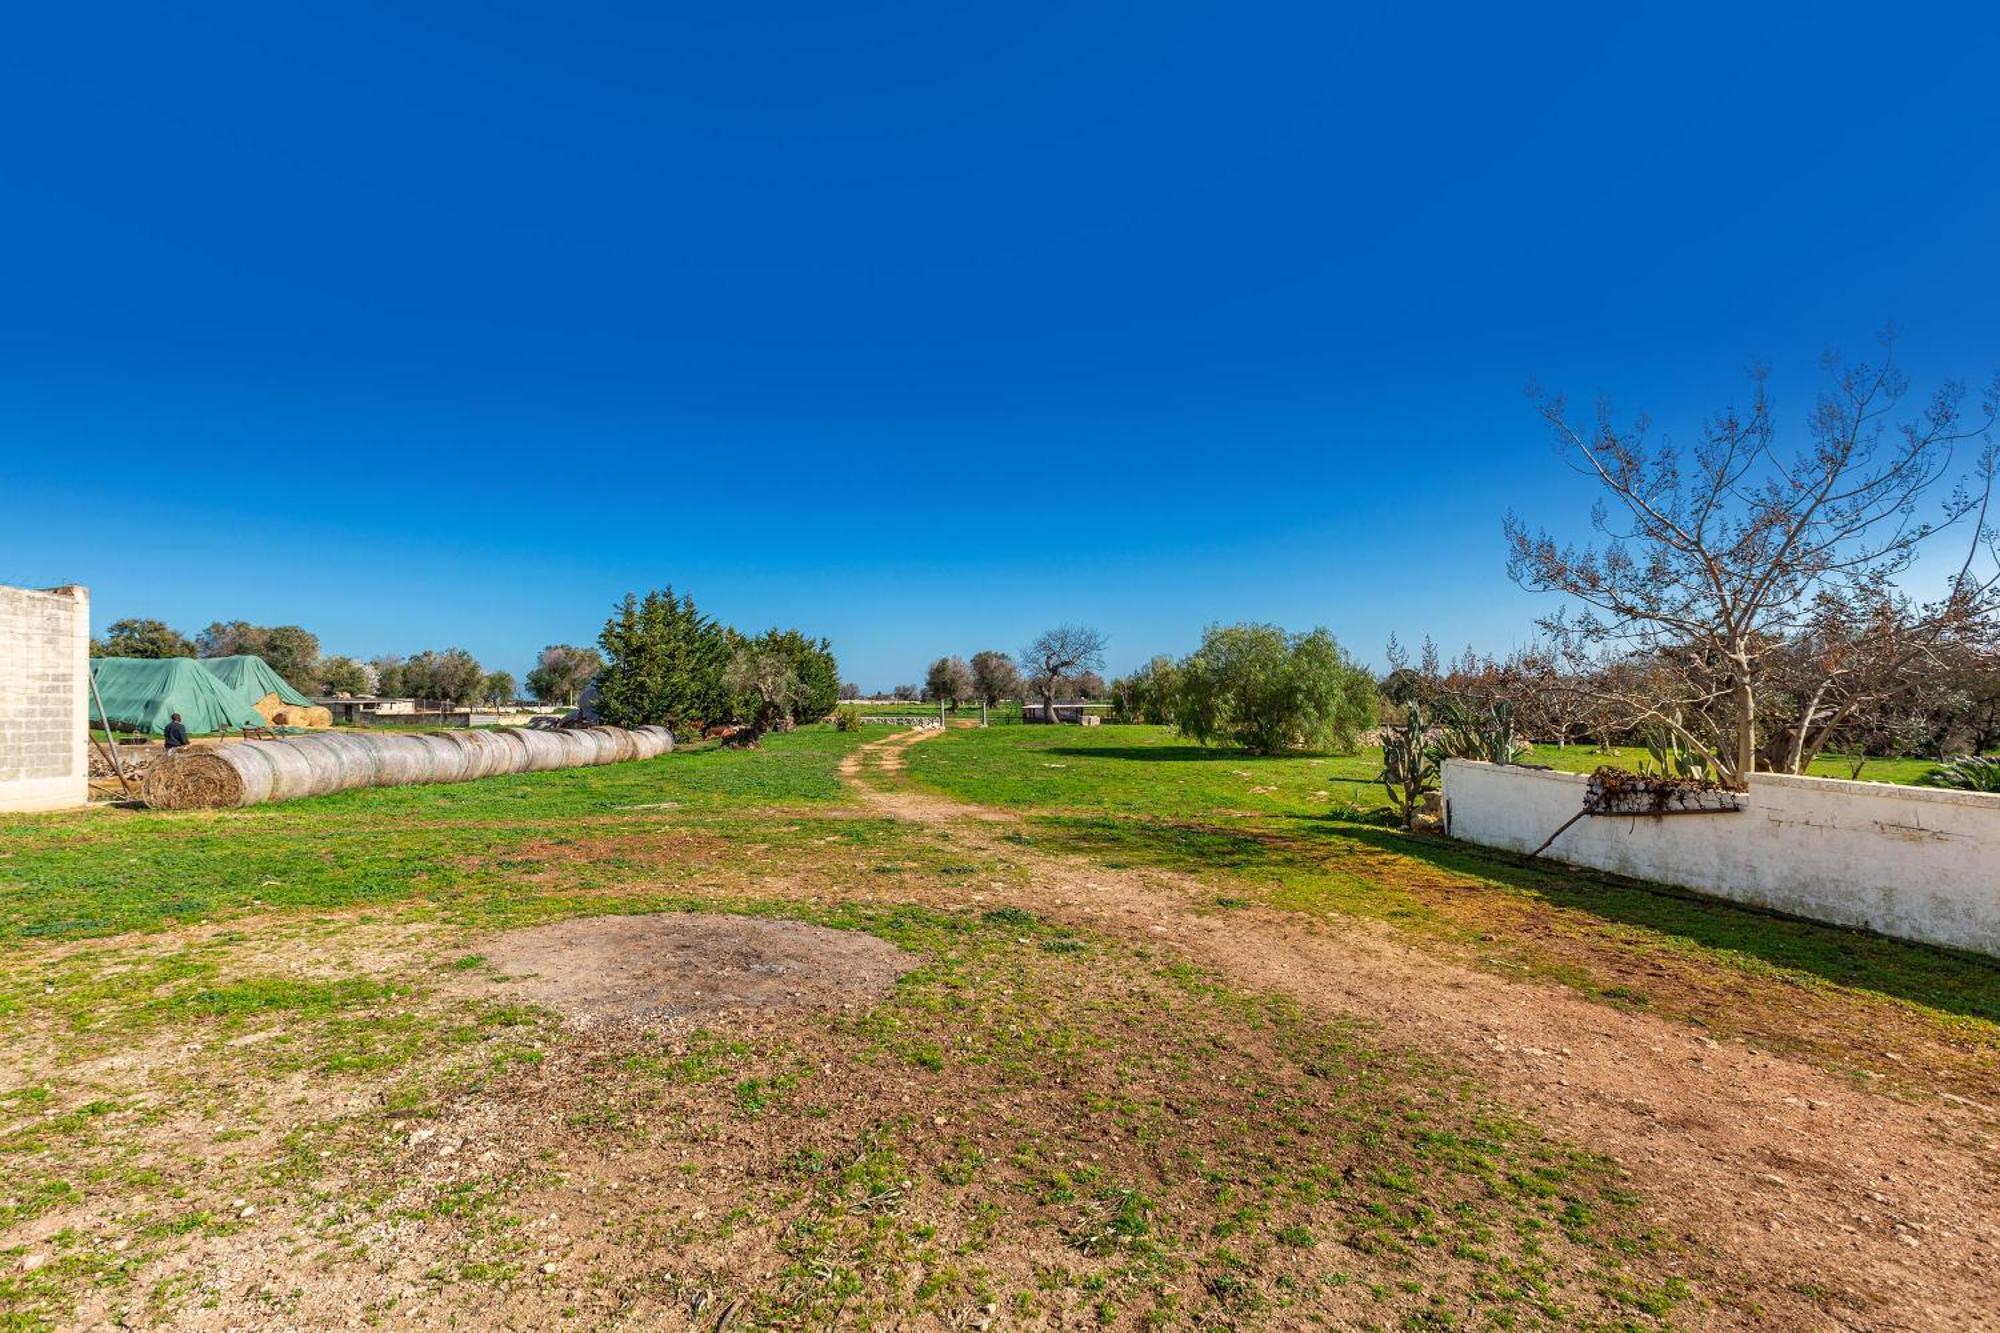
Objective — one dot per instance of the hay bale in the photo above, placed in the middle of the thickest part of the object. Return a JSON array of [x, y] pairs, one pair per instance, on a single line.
[[323, 762], [295, 715], [652, 742], [516, 757], [403, 762], [360, 762], [623, 745], [443, 761], [576, 751], [195, 780], [545, 752], [482, 753], [251, 772]]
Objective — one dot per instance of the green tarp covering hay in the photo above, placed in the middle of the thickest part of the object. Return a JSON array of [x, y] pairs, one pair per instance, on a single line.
[[141, 693], [251, 678], [252, 772]]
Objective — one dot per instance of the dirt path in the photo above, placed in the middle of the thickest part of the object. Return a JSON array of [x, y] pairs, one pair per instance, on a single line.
[[1814, 1204]]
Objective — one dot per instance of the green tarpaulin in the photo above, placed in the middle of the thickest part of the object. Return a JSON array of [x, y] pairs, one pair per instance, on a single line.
[[251, 678], [141, 693]]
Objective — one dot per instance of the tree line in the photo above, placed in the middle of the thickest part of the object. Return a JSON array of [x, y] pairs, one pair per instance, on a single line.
[[450, 676]]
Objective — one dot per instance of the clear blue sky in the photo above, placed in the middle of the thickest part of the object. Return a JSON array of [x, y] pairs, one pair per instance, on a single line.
[[921, 326]]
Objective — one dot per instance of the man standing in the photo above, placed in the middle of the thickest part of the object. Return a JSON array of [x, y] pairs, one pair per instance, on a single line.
[[176, 733]]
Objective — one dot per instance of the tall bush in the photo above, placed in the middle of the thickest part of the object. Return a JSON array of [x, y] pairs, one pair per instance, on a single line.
[[663, 665], [1269, 691]]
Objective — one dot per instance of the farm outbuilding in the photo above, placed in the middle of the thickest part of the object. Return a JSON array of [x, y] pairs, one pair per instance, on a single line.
[[1074, 714]]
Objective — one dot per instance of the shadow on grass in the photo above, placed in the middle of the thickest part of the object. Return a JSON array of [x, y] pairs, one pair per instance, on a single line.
[[1180, 754], [1948, 980]]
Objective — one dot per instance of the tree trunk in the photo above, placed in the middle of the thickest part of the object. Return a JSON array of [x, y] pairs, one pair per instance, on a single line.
[[1746, 730], [1049, 703]]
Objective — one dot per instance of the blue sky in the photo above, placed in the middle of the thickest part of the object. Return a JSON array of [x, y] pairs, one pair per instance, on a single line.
[[924, 327]]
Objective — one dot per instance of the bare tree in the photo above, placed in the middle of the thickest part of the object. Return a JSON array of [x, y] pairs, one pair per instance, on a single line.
[[1720, 562], [1058, 655]]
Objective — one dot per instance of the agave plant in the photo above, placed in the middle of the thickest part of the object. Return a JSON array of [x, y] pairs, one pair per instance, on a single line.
[[1466, 732], [1672, 757], [1966, 773]]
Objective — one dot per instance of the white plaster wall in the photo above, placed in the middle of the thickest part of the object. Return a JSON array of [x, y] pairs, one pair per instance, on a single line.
[[1911, 862], [44, 698]]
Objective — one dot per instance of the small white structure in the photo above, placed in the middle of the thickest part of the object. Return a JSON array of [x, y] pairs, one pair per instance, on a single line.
[[1914, 862], [44, 698]]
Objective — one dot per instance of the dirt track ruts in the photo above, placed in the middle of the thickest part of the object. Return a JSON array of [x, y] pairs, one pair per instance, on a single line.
[[1809, 1203]]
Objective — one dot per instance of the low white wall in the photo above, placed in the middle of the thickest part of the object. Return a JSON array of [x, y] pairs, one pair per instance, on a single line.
[[1912, 862], [44, 695]]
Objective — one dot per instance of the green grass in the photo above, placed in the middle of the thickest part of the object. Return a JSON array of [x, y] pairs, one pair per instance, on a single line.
[[1141, 770], [1174, 1149], [105, 871], [1312, 834]]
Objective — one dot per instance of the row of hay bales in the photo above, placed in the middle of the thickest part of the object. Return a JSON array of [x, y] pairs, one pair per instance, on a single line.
[[253, 772]]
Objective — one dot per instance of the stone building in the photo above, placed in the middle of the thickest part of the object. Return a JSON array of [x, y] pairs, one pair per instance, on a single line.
[[44, 698]]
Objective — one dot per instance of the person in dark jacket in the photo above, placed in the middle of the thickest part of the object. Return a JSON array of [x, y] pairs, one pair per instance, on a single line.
[[177, 734]]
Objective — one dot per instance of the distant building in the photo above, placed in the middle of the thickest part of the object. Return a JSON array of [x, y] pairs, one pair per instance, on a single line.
[[1077, 714], [361, 709]]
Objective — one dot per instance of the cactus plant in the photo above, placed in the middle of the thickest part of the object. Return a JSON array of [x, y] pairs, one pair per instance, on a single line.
[[1410, 761]]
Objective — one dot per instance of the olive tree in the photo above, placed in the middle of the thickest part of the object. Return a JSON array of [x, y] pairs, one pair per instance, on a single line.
[[142, 638], [562, 671], [949, 681], [994, 677], [1059, 655]]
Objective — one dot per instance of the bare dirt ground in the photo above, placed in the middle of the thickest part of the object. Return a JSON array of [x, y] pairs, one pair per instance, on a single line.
[[1806, 1193], [678, 965]]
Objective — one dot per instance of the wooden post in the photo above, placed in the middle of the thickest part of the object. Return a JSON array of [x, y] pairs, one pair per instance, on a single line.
[[110, 741]]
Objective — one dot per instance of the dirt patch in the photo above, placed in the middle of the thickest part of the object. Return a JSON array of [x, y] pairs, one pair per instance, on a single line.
[[673, 965], [1833, 1205]]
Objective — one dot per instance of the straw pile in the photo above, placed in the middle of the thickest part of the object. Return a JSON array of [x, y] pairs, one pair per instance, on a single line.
[[278, 713], [254, 772]]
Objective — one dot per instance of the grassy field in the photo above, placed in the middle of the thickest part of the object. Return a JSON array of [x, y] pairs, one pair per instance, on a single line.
[[230, 1037], [1312, 834], [255, 1068]]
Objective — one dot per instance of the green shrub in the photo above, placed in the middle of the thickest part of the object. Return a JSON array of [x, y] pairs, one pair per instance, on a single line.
[[847, 719], [1967, 773], [1270, 691]]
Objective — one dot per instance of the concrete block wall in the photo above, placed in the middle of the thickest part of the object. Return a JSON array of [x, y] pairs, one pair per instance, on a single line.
[[1913, 862], [44, 698]]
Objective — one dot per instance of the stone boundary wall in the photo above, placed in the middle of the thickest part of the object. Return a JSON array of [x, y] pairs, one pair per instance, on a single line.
[[44, 698], [1913, 862]]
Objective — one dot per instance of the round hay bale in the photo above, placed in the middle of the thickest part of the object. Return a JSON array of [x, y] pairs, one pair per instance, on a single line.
[[653, 741], [443, 761], [291, 776], [403, 761], [516, 750], [359, 759], [323, 762], [624, 745], [576, 751], [474, 756], [195, 780], [545, 752]]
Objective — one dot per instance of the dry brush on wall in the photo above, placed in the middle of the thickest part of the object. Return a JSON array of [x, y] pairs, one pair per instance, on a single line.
[[253, 772]]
